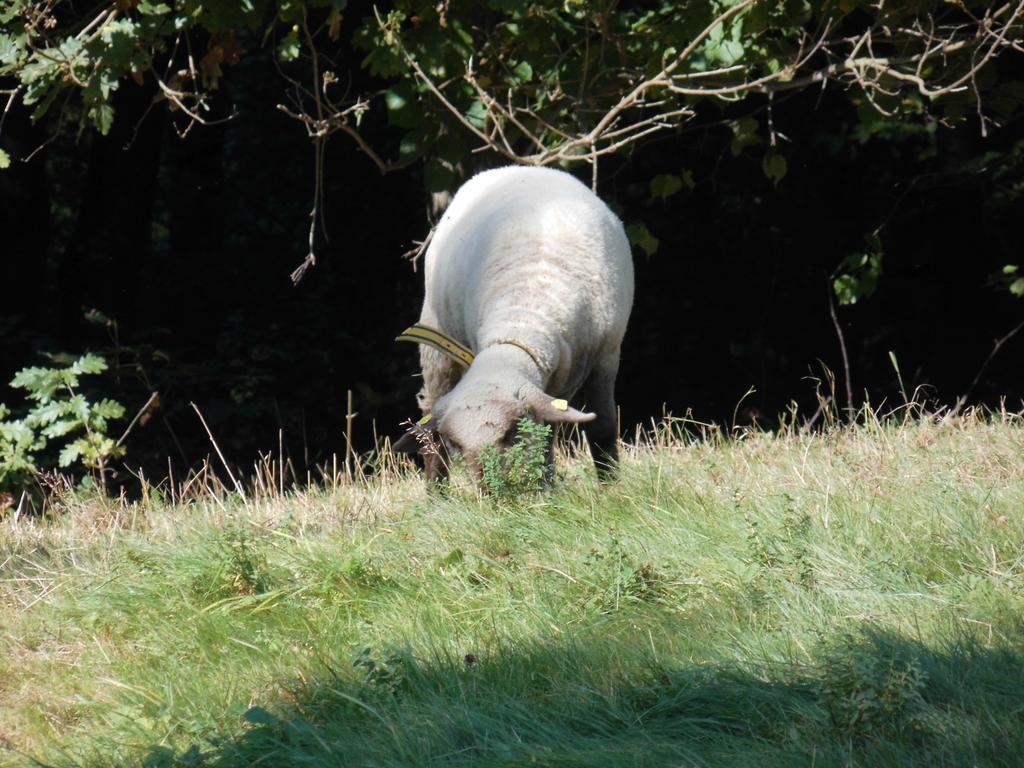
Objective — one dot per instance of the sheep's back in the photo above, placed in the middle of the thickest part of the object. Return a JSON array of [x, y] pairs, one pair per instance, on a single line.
[[531, 254]]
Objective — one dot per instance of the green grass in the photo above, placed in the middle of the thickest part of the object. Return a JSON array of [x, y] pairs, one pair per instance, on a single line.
[[853, 598]]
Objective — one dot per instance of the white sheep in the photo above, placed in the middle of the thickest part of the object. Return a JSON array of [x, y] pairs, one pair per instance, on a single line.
[[531, 272]]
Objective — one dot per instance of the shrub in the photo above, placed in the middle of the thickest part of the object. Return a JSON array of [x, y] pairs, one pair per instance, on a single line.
[[871, 692], [61, 414], [522, 467]]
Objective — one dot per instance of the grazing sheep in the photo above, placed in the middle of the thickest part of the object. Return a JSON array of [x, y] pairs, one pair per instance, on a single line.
[[532, 273]]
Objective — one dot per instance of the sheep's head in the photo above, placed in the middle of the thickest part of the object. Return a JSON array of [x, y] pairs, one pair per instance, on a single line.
[[464, 423]]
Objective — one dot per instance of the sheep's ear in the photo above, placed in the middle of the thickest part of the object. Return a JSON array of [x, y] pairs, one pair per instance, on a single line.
[[417, 436], [553, 410]]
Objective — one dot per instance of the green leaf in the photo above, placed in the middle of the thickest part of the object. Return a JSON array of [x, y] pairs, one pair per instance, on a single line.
[[89, 364], [70, 47], [845, 287], [665, 185], [437, 176], [147, 8], [47, 412], [409, 145], [744, 132], [640, 236], [46, 97], [1017, 287], [5, 159], [477, 114], [29, 378], [522, 71], [116, 44], [396, 99], [11, 49], [17, 432], [102, 116], [774, 166], [857, 277], [403, 110], [70, 453], [61, 428], [79, 406], [730, 52], [289, 48], [108, 409]]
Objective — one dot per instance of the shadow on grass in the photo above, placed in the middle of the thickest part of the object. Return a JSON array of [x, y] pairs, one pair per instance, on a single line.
[[877, 699]]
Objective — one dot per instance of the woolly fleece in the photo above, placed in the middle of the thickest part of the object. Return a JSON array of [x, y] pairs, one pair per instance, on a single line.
[[528, 255]]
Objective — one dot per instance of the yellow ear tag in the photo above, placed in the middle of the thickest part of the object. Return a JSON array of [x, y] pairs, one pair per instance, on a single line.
[[560, 405], [425, 419]]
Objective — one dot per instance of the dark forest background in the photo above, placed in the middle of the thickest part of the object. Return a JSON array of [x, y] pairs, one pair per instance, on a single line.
[[171, 256]]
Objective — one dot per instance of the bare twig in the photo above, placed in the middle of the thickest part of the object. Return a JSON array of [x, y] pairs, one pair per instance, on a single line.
[[178, 98], [223, 461], [413, 254], [997, 345], [842, 349], [138, 416], [12, 94], [350, 453], [384, 166]]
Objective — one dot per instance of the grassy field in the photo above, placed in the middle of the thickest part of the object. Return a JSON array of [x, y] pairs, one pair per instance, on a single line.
[[851, 598]]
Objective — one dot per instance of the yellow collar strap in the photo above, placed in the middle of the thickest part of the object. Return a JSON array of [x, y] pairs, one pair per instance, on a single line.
[[442, 342], [446, 345]]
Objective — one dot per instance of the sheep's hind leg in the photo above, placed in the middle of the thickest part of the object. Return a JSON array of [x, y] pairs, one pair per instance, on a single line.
[[602, 433]]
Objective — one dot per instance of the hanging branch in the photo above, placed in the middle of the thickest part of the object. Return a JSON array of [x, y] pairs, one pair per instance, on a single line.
[[652, 104]]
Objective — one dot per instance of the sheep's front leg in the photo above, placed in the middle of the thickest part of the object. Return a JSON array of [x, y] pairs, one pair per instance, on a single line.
[[602, 433], [440, 375]]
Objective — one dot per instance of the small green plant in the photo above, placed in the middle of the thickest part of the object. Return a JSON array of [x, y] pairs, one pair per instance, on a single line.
[[60, 412], [18, 441], [869, 694], [785, 549], [616, 578], [244, 569], [365, 572], [383, 670], [522, 467]]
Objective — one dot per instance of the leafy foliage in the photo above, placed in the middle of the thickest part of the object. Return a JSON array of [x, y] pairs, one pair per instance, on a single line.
[[18, 442], [564, 67], [522, 467], [384, 671], [870, 692], [858, 274], [532, 77], [640, 236], [1012, 279], [617, 578], [244, 568], [61, 413]]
